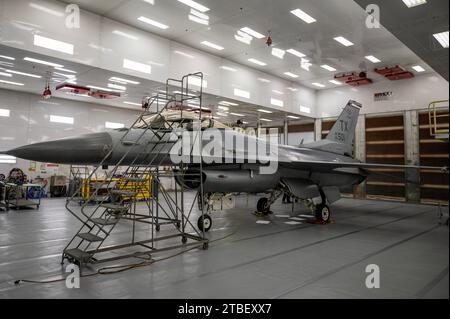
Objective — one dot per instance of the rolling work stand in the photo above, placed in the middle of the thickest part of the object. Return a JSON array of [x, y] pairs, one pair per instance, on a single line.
[[96, 240]]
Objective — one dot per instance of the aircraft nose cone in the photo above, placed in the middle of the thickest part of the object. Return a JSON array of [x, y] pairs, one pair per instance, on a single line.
[[87, 149]]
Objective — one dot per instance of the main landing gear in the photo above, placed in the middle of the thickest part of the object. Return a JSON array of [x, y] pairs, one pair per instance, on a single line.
[[322, 211]]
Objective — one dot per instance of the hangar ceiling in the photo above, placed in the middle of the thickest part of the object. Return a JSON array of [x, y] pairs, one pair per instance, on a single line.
[[415, 28], [315, 40], [34, 76]]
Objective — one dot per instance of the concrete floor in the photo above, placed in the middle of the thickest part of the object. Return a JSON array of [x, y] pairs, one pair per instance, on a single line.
[[275, 260]]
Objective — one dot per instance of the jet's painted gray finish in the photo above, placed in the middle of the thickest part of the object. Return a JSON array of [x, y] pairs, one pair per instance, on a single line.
[[320, 166]]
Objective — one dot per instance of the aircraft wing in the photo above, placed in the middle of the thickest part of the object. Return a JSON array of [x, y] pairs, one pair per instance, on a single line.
[[328, 166]]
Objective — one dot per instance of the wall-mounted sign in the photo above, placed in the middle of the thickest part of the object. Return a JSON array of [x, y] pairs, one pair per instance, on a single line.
[[383, 96]]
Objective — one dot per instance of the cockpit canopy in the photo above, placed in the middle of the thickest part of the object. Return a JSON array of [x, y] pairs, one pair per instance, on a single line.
[[178, 119]]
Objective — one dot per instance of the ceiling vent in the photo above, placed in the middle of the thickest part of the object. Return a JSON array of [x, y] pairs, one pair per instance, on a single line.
[[354, 78], [394, 73]]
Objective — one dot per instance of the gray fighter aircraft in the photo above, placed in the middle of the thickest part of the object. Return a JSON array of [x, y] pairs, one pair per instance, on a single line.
[[317, 170]]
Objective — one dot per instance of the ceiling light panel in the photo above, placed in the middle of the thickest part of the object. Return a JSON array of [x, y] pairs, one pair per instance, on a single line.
[[5, 112], [296, 53], [153, 23], [212, 45], [305, 109], [318, 85], [242, 93], [292, 75], [125, 35], [122, 80], [373, 59], [414, 3], [227, 68], [442, 38], [195, 5], [32, 60], [255, 61], [11, 83], [61, 119], [112, 125], [6, 74], [279, 53], [303, 16], [25, 74], [253, 33], [265, 111], [335, 82], [53, 44], [343, 41], [418, 68], [328, 68], [276, 102], [137, 66], [7, 57]]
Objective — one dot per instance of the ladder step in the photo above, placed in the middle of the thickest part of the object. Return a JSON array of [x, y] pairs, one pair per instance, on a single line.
[[78, 254], [123, 193], [135, 179], [90, 237], [115, 207], [104, 222]]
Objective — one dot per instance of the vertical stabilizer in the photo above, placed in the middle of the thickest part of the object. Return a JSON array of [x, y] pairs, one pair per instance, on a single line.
[[343, 131]]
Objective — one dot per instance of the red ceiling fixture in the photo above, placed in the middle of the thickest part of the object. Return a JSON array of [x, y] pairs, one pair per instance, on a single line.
[[87, 92], [394, 73], [354, 78]]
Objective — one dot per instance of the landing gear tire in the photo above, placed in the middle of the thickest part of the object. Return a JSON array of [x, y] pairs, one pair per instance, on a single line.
[[323, 213], [263, 206], [204, 223], [184, 240]]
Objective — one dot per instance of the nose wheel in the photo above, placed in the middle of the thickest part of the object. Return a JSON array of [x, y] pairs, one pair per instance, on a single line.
[[204, 223], [263, 206]]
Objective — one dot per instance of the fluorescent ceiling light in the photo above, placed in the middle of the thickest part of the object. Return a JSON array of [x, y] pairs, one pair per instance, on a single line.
[[222, 114], [113, 125], [418, 68], [335, 82], [61, 119], [227, 68], [212, 45], [24, 74], [305, 64], [152, 2], [414, 3], [305, 109], [318, 85], [195, 5], [264, 80], [266, 120], [6, 159], [293, 117], [292, 75], [125, 35], [237, 114], [5, 74], [328, 68], [296, 53], [153, 23], [278, 92], [228, 103], [123, 81], [32, 60], [253, 33], [243, 39], [265, 111], [65, 70], [373, 59], [7, 57], [132, 103], [279, 53], [198, 20], [117, 87], [5, 112], [344, 41], [303, 15], [52, 44], [276, 102], [252, 60], [292, 89], [224, 108], [46, 10], [199, 14], [137, 66], [184, 54], [442, 38], [242, 93]]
